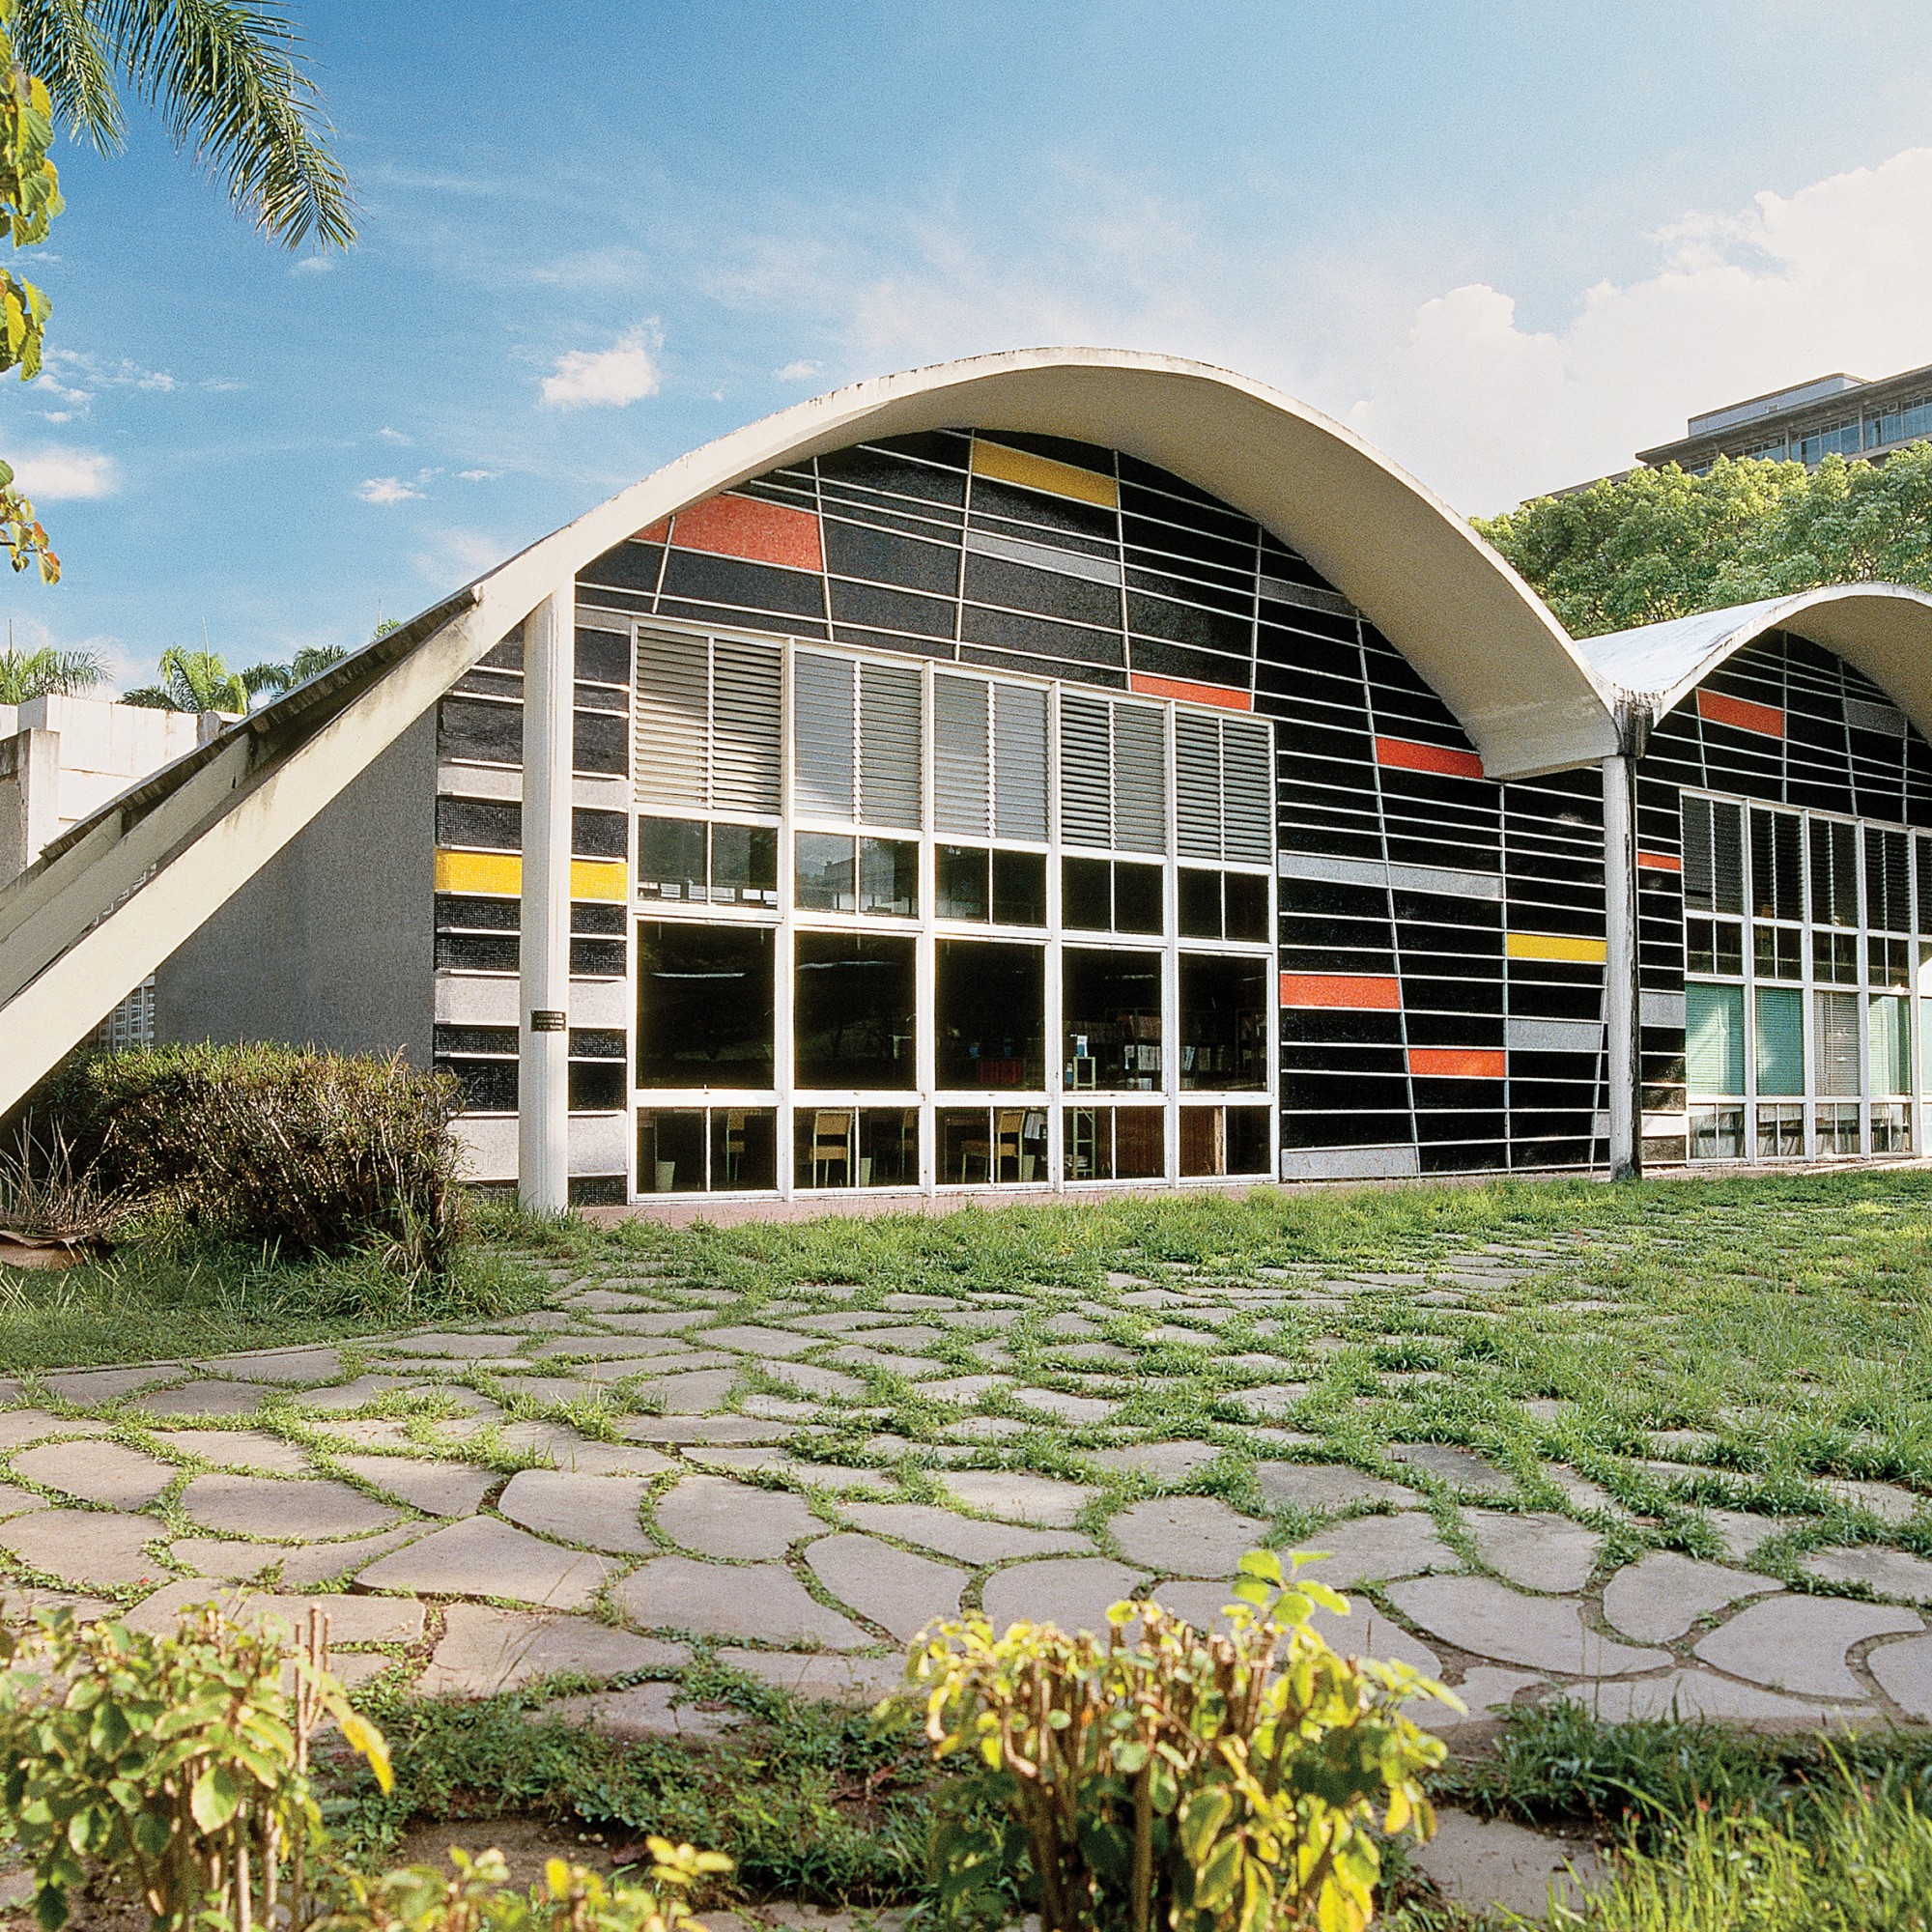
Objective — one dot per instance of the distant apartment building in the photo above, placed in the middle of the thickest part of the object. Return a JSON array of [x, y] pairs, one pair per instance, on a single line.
[[1830, 416]]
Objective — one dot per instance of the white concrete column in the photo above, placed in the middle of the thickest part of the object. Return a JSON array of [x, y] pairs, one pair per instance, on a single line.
[[1620, 988], [543, 1038]]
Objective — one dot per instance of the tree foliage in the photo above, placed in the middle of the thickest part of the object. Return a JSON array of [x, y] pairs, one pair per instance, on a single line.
[[192, 681], [1660, 543], [25, 675]]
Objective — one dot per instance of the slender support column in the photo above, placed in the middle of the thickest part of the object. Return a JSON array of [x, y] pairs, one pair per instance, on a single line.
[[1620, 990], [543, 1037]]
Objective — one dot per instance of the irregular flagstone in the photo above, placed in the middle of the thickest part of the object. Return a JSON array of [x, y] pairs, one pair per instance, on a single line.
[[1075, 1408], [701, 1428], [1484, 1690], [1165, 1462], [1698, 1693], [1186, 1536], [30, 1425], [204, 1397], [484, 1651], [345, 1395], [892, 1588], [1489, 1619], [1460, 1469], [98, 1472], [85, 1387], [643, 1711], [246, 1449], [214, 1558], [1904, 1673], [324, 1562], [1540, 1551], [562, 1445], [814, 1381], [548, 1389], [819, 1676], [1661, 1595], [962, 1389], [1366, 1632], [1581, 1492], [93, 1549], [483, 1557], [1269, 1400], [20, 1604], [610, 1369], [1484, 1863], [780, 1409], [777, 1462], [437, 1489], [352, 1620], [1072, 1592], [1372, 1549], [912, 1367], [631, 1320], [717, 1517], [17, 1501], [963, 1537], [457, 1345], [302, 1510], [1741, 1533], [1100, 1353], [1799, 1643], [1890, 1572], [754, 1339], [760, 1600], [899, 1335], [1325, 1486], [693, 1394], [600, 1511], [301, 1364], [1885, 1500], [1041, 1500]]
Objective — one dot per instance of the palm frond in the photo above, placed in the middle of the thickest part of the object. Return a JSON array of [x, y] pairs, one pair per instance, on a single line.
[[25, 675], [56, 41], [229, 79], [273, 678]]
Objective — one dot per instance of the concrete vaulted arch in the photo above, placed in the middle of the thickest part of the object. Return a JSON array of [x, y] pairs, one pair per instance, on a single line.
[[116, 895]]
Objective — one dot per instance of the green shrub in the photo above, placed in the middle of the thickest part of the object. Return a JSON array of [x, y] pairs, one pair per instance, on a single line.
[[1181, 1779], [307, 1152], [478, 1898], [171, 1768]]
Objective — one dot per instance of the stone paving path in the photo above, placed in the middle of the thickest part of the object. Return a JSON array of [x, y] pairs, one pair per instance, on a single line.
[[797, 1487]]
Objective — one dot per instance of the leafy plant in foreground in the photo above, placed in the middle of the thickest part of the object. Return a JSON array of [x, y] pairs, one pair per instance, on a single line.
[[1181, 1778]]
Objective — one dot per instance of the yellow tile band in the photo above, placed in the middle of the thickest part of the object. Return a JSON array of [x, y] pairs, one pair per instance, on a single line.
[[500, 874], [1042, 472], [1555, 945]]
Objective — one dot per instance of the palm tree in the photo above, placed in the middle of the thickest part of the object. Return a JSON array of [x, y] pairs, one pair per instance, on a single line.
[[228, 78], [25, 675], [192, 681], [311, 661]]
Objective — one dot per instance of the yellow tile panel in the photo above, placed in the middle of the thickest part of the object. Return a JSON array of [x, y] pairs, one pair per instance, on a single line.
[[599, 879], [1042, 472], [1555, 945], [498, 873]]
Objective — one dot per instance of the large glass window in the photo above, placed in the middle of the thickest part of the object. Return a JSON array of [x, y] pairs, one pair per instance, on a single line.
[[685, 859], [1112, 895], [989, 1015], [719, 1150], [1115, 1143], [1714, 1039], [1110, 1020], [1780, 1041], [861, 1147], [1223, 1021], [855, 1011], [704, 1005], [996, 1145]]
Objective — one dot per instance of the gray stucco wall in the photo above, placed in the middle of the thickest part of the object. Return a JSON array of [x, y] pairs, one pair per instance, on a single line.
[[330, 944]]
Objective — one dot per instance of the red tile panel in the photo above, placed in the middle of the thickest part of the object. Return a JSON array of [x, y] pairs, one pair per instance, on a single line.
[[1411, 757], [1149, 686], [1360, 991], [1459, 1062], [658, 532], [1766, 719], [758, 532], [1659, 862]]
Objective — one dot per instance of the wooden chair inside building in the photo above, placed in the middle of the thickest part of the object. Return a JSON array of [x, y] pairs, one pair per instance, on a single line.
[[831, 1148], [733, 1150]]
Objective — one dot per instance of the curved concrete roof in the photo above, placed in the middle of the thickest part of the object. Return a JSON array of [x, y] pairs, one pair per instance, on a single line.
[[1884, 630], [1468, 623]]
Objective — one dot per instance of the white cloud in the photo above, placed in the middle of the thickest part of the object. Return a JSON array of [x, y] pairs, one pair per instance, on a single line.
[[458, 555], [605, 378], [616, 266], [800, 370], [54, 475], [124, 668], [387, 490], [313, 265], [480, 475], [387, 435]]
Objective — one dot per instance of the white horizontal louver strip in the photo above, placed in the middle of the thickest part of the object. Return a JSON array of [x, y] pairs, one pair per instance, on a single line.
[[959, 749], [892, 714], [1197, 786], [745, 726], [1085, 772], [1140, 778], [670, 736], [822, 734], [1019, 761], [1247, 791]]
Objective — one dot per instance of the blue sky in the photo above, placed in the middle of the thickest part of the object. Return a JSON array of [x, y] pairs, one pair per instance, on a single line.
[[1508, 243]]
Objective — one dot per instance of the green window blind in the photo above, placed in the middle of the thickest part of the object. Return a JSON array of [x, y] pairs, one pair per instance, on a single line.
[[1714, 1039], [1781, 1041], [1837, 1039], [1891, 1047]]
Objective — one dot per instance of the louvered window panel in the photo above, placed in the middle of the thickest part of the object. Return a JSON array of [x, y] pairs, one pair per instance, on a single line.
[[1777, 873], [1247, 792], [670, 738], [892, 715], [1781, 1041], [1888, 880], [1834, 873], [1924, 865], [1836, 1022], [1140, 778], [822, 734], [1019, 762], [1197, 786], [1697, 872], [1727, 857], [1085, 772], [746, 724], [960, 744]]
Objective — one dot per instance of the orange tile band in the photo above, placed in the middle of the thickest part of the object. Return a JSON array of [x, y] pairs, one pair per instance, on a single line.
[[745, 527], [1659, 862], [1359, 991], [1766, 719], [1149, 686], [1459, 1062], [1412, 757]]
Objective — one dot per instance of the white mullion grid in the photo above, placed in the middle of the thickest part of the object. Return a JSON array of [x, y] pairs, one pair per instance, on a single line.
[[1170, 901], [925, 1003], [1747, 946], [632, 1185], [783, 986]]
